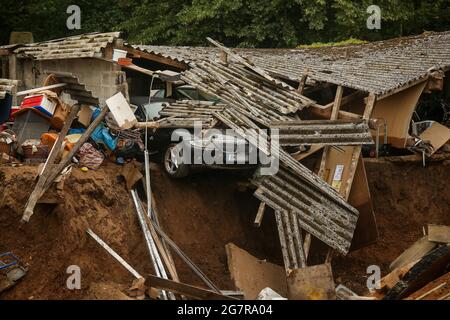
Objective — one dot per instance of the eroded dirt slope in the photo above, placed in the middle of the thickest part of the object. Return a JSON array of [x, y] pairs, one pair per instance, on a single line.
[[406, 197]]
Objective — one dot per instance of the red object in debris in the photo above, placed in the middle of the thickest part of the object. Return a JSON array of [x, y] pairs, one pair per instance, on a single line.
[[125, 61], [40, 102]]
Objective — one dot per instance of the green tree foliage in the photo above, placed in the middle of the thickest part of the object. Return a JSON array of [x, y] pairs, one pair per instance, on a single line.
[[244, 23]]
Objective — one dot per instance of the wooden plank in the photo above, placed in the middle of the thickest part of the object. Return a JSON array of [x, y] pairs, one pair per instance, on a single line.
[[431, 266], [370, 104], [260, 214], [56, 170], [311, 283], [337, 103], [185, 289], [390, 280], [36, 90], [245, 62], [49, 164], [252, 275], [334, 116], [438, 233], [156, 58], [415, 252], [429, 292]]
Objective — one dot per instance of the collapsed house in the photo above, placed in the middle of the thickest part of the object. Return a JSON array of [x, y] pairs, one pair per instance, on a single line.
[[334, 101]]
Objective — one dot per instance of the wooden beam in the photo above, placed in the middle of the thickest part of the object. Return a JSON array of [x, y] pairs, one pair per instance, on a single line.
[[35, 90], [245, 62], [185, 289], [260, 215], [438, 233], [156, 58], [56, 170], [49, 165], [415, 252]]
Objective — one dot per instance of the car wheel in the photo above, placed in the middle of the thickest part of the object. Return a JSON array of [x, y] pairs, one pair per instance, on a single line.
[[174, 169]]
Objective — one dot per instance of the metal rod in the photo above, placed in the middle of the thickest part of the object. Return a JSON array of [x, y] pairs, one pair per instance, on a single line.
[[154, 254], [114, 254]]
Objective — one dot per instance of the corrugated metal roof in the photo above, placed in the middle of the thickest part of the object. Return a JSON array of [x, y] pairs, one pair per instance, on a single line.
[[6, 86], [81, 46], [320, 209], [377, 67]]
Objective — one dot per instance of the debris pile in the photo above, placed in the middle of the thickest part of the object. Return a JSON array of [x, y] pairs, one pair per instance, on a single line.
[[300, 143]]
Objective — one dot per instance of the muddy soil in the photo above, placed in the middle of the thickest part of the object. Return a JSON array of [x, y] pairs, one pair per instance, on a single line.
[[406, 198], [201, 214]]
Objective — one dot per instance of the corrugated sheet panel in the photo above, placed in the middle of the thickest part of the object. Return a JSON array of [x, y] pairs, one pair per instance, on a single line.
[[256, 97], [318, 215], [320, 209], [184, 114], [326, 132], [81, 46]]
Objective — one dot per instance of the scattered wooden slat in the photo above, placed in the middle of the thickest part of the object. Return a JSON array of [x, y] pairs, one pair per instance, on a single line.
[[36, 90], [390, 280], [415, 252], [185, 289], [260, 215], [431, 291], [49, 165], [56, 170], [438, 233], [431, 266]]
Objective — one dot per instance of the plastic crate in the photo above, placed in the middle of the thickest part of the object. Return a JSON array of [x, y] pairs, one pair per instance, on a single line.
[[29, 125], [40, 102]]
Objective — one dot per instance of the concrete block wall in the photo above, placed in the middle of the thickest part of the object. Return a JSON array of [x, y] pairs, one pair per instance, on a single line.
[[103, 78]]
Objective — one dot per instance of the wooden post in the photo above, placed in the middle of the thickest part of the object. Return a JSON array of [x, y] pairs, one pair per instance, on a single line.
[[334, 116], [56, 170], [36, 194], [370, 103]]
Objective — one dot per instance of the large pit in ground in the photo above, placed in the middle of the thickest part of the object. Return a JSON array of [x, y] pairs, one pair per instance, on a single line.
[[201, 213]]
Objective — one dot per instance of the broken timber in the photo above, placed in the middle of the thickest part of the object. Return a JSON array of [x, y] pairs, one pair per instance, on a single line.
[[53, 173], [48, 167], [185, 289], [320, 209]]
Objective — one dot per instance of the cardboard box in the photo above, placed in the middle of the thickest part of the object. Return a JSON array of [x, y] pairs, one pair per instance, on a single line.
[[121, 110], [437, 134], [85, 116]]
